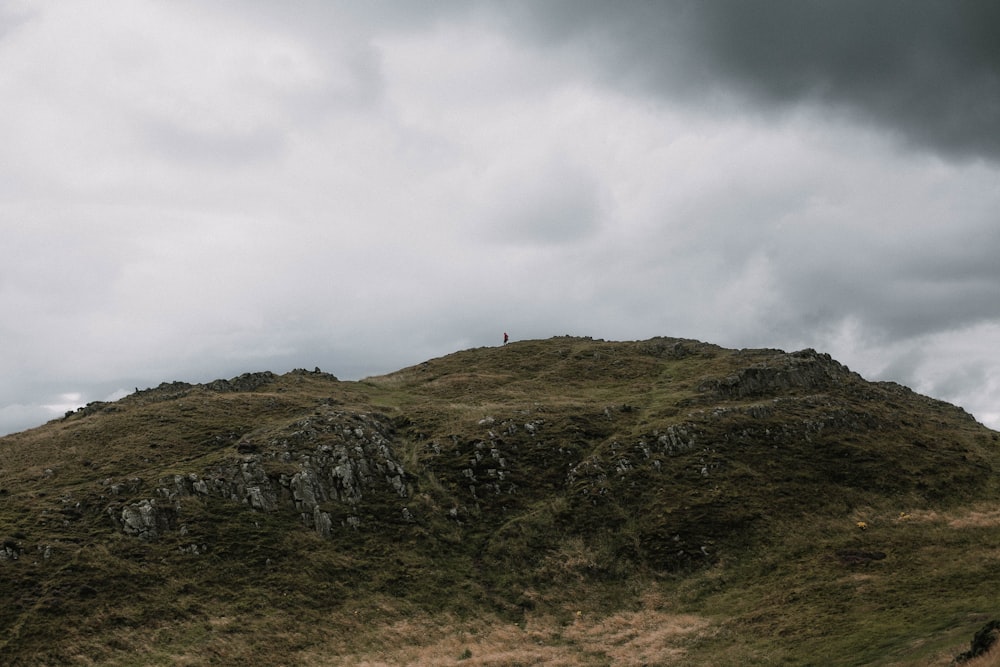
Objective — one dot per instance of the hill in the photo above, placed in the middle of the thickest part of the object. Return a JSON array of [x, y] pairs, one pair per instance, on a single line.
[[567, 501]]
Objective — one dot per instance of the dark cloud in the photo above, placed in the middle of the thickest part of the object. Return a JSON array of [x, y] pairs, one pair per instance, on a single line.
[[930, 70], [192, 190], [927, 70]]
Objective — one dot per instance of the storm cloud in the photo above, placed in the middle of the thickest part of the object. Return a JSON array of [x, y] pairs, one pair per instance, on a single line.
[[192, 190], [927, 73]]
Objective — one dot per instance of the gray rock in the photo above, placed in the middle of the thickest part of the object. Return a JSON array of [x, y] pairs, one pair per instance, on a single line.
[[144, 519], [335, 456], [10, 550]]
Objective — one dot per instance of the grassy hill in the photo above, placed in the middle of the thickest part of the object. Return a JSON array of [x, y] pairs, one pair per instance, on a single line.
[[565, 502]]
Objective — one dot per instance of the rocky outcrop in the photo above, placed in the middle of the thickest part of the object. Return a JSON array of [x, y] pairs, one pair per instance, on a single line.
[[145, 519], [669, 348], [330, 458], [590, 477], [806, 369], [245, 382]]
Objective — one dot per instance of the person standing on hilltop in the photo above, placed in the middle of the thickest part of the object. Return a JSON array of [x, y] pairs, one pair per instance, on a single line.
[[505, 337]]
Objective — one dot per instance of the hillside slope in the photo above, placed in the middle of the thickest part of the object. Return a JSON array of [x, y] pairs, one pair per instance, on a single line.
[[566, 501]]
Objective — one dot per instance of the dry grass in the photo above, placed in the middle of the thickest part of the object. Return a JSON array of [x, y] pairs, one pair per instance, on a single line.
[[991, 659], [646, 637], [975, 517]]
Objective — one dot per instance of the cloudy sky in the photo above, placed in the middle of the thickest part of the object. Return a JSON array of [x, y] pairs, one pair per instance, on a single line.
[[193, 189]]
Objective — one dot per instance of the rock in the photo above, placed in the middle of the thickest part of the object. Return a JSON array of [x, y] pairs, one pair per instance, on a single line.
[[144, 519], [982, 642], [331, 456], [10, 550], [670, 348], [806, 369], [245, 382], [322, 522], [676, 440]]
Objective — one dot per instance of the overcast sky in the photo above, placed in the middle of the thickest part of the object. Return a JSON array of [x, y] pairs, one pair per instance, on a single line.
[[193, 189]]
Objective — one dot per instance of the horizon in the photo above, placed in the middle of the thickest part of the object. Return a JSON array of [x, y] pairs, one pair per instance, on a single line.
[[118, 394]]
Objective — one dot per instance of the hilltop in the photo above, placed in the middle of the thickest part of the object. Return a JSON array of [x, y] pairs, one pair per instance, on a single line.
[[567, 501]]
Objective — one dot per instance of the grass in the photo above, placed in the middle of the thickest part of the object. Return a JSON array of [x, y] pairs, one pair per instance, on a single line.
[[568, 502], [897, 610], [650, 635]]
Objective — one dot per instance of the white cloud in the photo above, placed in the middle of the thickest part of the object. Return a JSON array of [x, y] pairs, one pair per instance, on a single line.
[[190, 190]]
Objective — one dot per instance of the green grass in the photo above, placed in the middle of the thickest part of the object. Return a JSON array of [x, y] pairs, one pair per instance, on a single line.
[[796, 599], [568, 488]]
